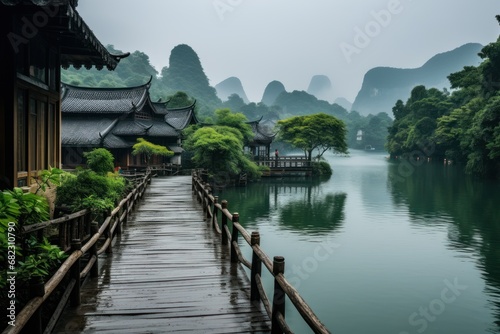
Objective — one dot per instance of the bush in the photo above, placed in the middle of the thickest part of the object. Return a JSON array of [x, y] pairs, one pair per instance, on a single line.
[[89, 190], [321, 168], [100, 160]]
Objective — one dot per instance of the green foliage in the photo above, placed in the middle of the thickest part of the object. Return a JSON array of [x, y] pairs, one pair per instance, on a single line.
[[319, 132], [464, 126], [321, 168], [149, 149], [48, 177], [32, 208], [44, 259], [219, 148], [237, 121], [100, 160], [91, 190]]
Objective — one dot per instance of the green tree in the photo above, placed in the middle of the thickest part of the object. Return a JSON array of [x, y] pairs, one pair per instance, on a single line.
[[319, 132], [100, 160], [236, 121], [149, 150]]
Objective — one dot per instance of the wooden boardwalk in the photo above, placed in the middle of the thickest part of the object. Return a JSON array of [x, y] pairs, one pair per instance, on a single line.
[[168, 273]]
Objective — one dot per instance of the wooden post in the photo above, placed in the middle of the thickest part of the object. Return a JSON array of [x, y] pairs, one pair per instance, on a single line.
[[256, 268], [126, 210], [94, 271], [279, 294], [36, 289], [76, 245], [224, 222], [108, 234], [119, 223], [215, 212], [234, 238]]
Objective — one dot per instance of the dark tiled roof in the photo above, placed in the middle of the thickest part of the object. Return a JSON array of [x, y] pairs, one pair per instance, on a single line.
[[84, 131], [77, 42], [180, 118], [112, 141], [103, 100], [160, 107], [262, 132], [175, 148], [153, 128]]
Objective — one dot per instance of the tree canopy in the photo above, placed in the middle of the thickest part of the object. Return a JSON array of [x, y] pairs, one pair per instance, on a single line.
[[149, 149], [319, 132], [464, 126]]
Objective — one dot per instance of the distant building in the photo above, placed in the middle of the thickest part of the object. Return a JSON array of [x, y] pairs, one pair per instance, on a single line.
[[260, 146], [38, 37], [359, 135], [113, 118]]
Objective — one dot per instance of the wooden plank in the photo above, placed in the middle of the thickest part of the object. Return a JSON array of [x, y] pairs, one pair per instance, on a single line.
[[168, 273]]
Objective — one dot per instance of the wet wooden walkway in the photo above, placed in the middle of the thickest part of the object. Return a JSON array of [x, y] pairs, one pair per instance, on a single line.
[[168, 273]]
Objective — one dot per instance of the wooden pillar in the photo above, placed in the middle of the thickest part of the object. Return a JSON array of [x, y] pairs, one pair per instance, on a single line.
[[215, 212], [36, 289], [76, 245], [224, 222], [94, 271], [108, 234], [279, 294], [234, 238], [256, 268]]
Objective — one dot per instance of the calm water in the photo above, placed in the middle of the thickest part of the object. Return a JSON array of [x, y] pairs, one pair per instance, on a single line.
[[381, 248]]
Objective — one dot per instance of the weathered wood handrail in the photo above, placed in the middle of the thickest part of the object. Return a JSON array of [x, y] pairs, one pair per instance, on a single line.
[[77, 224], [276, 267]]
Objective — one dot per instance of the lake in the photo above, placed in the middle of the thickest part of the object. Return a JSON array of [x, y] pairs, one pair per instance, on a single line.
[[383, 247]]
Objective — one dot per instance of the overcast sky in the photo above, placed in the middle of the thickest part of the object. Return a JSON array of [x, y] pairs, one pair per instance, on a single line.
[[291, 40]]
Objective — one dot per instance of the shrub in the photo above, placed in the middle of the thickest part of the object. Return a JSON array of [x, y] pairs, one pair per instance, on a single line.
[[321, 168], [100, 160]]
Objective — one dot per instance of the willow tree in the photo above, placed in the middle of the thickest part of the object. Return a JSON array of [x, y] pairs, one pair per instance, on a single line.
[[149, 150], [319, 132]]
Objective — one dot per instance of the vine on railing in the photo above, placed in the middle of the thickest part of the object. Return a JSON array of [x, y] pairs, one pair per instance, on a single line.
[[79, 236], [282, 288]]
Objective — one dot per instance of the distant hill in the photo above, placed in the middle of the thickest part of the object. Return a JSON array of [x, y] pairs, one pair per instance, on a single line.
[[230, 86], [383, 86], [321, 87], [344, 103], [273, 89], [302, 103], [186, 74]]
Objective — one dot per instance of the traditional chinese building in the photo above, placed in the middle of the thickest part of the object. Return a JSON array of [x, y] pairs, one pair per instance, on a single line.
[[260, 146], [37, 39], [113, 118]]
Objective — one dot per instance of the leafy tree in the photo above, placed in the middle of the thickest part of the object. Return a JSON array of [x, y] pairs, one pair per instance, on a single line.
[[319, 132], [234, 120], [100, 160], [149, 149]]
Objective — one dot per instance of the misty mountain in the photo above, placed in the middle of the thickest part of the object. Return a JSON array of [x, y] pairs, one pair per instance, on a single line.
[[321, 87], [302, 103], [229, 87], [383, 86], [186, 74], [272, 91], [344, 103]]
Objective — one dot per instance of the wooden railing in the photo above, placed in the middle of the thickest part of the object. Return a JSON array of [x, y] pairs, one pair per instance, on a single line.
[[282, 288], [78, 236], [286, 162]]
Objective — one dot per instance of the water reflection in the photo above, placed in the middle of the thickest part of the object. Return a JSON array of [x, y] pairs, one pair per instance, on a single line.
[[296, 204], [472, 205]]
